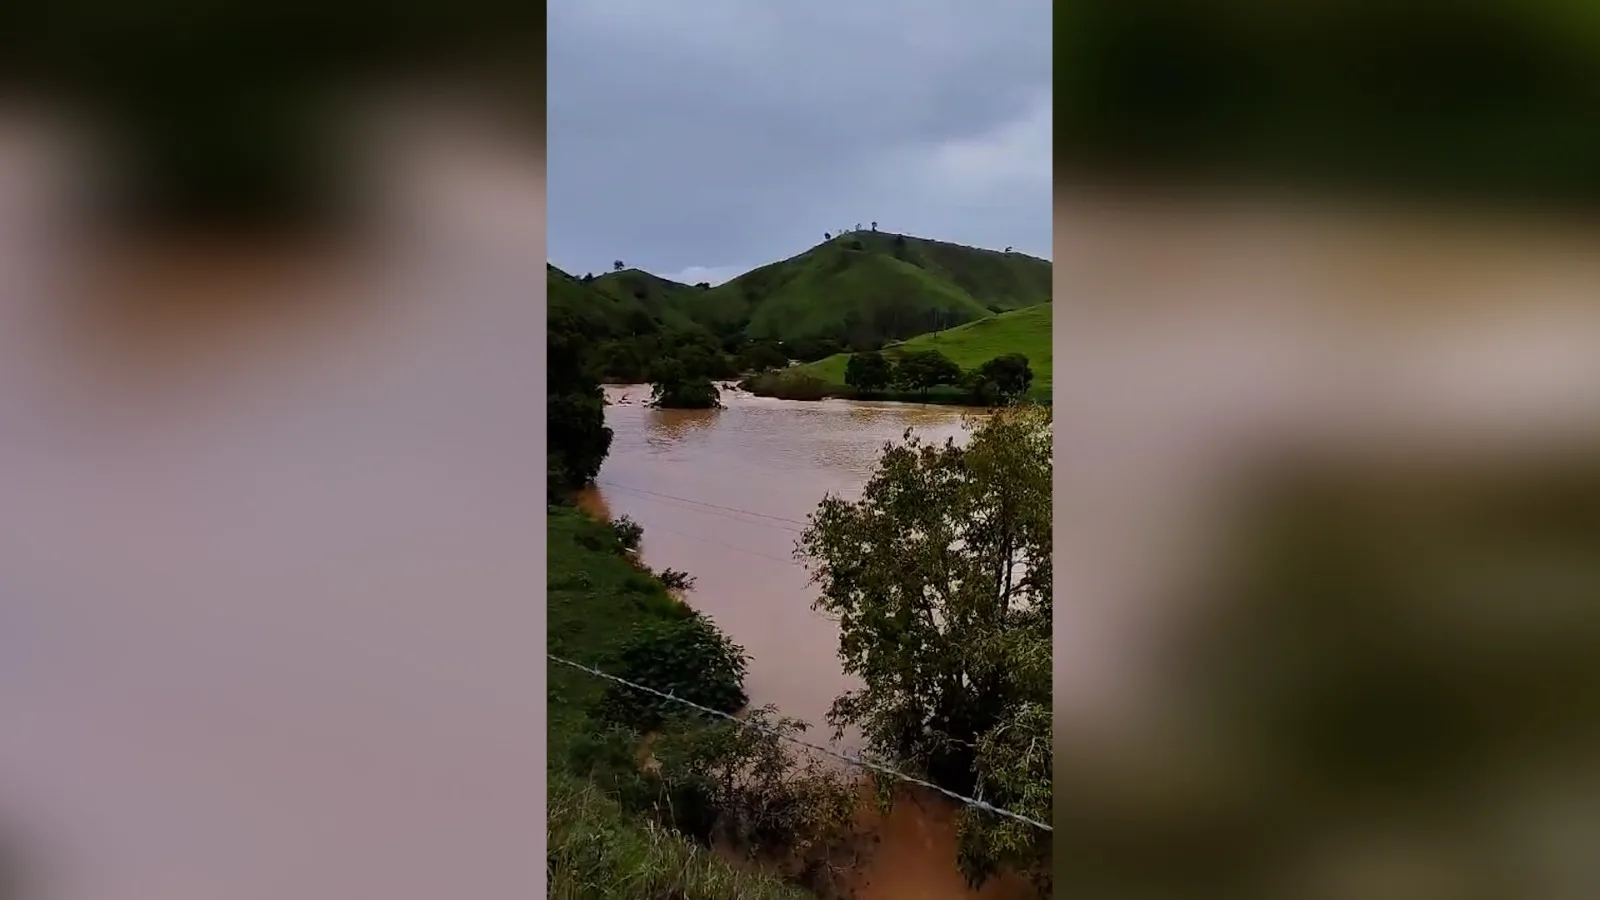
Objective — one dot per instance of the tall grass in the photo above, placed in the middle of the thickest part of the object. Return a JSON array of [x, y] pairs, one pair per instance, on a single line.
[[598, 852]]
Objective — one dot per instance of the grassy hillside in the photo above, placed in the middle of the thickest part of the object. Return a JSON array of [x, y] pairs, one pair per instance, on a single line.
[[664, 300], [595, 599], [611, 301], [568, 294], [1025, 331], [866, 287]]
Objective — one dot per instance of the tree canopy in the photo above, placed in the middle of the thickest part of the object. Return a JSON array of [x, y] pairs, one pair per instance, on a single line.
[[927, 369], [870, 371], [940, 578], [578, 438]]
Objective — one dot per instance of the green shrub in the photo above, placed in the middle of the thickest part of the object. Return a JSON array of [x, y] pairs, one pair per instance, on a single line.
[[688, 658], [629, 533]]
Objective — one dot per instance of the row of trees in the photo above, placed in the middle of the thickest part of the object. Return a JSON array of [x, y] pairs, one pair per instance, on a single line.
[[1003, 379], [828, 235]]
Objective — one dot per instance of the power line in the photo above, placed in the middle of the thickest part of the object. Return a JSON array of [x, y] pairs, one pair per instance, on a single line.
[[718, 543], [851, 760], [732, 509], [623, 492]]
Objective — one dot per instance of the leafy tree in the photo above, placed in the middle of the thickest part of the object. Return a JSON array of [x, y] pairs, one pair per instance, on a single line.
[[762, 356], [673, 386], [940, 579], [980, 390], [621, 361], [926, 369], [874, 226], [578, 439], [617, 266], [1007, 376], [588, 277], [870, 371], [827, 235]]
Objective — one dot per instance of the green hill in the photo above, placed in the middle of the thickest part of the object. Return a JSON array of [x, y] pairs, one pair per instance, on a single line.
[[663, 299], [1025, 331], [864, 288], [612, 303], [857, 291]]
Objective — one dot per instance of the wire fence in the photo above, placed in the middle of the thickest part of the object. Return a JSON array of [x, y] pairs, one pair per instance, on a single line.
[[845, 758]]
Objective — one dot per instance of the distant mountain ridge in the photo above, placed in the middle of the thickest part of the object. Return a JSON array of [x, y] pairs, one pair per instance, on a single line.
[[861, 289]]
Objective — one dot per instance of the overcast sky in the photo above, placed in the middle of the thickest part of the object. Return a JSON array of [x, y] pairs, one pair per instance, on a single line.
[[698, 140]]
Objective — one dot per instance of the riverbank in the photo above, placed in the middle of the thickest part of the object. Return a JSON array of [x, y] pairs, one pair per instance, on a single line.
[[596, 597], [800, 385]]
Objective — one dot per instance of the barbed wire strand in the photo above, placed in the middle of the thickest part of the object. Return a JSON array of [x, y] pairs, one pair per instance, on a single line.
[[851, 760]]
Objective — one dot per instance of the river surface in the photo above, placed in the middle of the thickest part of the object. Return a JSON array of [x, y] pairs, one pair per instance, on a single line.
[[724, 494]]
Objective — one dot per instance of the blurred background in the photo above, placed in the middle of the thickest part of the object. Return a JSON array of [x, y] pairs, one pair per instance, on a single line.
[[270, 348], [1327, 337], [226, 116]]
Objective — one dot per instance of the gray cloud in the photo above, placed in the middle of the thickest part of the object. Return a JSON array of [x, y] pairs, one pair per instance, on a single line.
[[700, 139]]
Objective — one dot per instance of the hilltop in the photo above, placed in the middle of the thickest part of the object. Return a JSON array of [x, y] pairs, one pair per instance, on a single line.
[[855, 290], [867, 287], [1024, 331]]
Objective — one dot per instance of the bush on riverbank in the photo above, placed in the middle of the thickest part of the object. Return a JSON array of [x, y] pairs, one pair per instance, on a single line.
[[688, 658]]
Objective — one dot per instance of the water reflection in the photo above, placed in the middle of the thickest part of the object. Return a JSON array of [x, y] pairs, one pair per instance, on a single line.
[[671, 426]]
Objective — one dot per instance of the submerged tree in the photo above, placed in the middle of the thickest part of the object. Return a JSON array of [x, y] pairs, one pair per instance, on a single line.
[[677, 386], [940, 579]]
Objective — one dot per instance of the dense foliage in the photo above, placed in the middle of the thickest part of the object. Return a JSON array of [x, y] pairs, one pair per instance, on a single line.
[[940, 578], [686, 657], [675, 385], [869, 372], [578, 438], [1000, 380], [913, 375]]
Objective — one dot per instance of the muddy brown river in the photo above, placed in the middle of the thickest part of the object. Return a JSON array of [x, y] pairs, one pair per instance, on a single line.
[[723, 494]]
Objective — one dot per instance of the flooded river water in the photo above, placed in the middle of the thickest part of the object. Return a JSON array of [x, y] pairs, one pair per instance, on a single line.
[[723, 494]]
